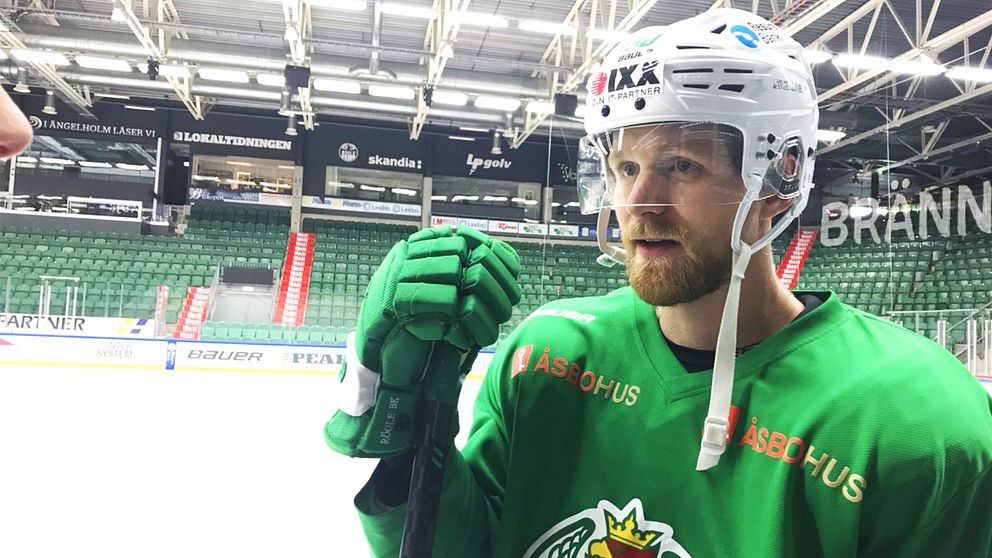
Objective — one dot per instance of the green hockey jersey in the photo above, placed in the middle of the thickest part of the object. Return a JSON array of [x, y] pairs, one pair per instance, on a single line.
[[850, 436]]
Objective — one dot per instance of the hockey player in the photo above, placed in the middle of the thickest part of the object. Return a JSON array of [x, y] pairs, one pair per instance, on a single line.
[[15, 131], [646, 423]]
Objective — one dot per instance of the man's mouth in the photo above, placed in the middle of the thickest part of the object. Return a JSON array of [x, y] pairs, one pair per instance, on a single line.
[[655, 246]]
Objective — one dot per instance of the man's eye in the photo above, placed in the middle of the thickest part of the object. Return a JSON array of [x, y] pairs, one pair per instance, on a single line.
[[628, 170], [683, 166]]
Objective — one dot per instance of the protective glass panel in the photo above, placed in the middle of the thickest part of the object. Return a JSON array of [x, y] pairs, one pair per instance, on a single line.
[[671, 164]]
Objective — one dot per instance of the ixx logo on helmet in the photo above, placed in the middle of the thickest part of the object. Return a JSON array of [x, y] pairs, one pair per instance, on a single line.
[[624, 78], [746, 36]]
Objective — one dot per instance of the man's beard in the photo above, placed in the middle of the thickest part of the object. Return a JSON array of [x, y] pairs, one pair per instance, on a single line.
[[696, 270]]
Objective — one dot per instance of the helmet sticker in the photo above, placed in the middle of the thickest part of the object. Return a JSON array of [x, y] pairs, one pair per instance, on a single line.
[[746, 36], [625, 82]]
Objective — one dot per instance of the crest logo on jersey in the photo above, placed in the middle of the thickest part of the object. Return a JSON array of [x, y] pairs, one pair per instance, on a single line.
[[608, 532]]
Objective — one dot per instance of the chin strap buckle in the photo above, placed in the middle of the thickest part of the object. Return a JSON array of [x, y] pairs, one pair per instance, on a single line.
[[715, 434]]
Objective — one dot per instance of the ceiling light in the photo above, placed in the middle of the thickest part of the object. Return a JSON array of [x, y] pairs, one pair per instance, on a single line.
[[495, 198], [546, 27], [484, 20], [816, 56], [40, 57], [220, 74], [112, 96], [271, 80], [275, 185], [540, 107], [57, 161], [337, 86], [497, 103], [404, 192], [922, 67], [530, 202], [465, 198], [27, 159], [474, 129], [461, 138], [829, 135], [49, 103], [350, 5], [861, 62], [453, 98], [203, 178], [240, 163], [167, 70], [128, 166], [604, 35], [517, 200], [368, 188], [340, 184], [394, 8], [572, 204], [95, 165], [287, 167], [496, 150], [392, 92], [136, 107], [22, 81], [439, 198], [965, 73], [100, 63]]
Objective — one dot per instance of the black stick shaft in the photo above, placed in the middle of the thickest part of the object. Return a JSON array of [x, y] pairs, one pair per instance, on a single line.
[[425, 486]]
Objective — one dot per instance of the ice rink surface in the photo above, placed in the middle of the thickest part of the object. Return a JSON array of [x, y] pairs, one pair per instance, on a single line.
[[124, 463]]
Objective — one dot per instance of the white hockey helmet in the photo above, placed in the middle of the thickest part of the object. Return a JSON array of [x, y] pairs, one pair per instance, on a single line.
[[727, 67], [725, 75]]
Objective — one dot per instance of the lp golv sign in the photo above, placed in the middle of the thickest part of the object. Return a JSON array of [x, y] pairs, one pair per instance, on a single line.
[[474, 163]]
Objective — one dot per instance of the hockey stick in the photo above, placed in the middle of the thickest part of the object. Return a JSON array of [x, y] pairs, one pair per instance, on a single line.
[[433, 442]]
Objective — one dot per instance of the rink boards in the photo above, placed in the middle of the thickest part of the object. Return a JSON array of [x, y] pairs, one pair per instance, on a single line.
[[27, 350]]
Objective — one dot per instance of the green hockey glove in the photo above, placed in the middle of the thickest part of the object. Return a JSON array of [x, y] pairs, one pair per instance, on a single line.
[[437, 298]]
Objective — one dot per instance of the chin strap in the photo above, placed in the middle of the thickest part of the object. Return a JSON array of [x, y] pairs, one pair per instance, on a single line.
[[715, 428]]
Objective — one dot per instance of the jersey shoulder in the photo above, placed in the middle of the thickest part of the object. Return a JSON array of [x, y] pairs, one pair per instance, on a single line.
[[611, 311]]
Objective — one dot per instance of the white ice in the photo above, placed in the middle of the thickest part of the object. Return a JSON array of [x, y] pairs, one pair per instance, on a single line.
[[122, 463]]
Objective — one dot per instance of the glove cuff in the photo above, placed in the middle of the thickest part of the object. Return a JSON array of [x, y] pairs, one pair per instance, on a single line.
[[359, 385]]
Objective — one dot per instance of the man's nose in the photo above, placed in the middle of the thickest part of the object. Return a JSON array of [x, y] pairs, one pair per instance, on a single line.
[[15, 132], [650, 194]]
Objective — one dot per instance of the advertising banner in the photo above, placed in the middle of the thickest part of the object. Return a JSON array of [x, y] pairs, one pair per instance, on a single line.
[[113, 121], [528, 163], [77, 326], [506, 227], [533, 229], [340, 145], [79, 352], [479, 224], [363, 206], [230, 134], [237, 357], [570, 231]]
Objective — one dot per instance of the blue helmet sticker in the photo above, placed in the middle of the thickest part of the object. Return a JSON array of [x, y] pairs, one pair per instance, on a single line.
[[746, 36]]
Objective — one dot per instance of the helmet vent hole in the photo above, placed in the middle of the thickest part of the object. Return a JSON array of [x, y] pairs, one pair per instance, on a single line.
[[735, 87], [689, 47], [696, 85], [720, 29], [693, 71], [737, 71]]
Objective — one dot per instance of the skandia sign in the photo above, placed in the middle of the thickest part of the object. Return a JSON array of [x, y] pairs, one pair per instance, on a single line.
[[350, 153], [51, 124], [236, 141]]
